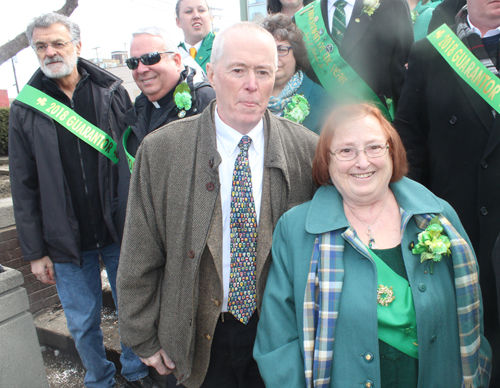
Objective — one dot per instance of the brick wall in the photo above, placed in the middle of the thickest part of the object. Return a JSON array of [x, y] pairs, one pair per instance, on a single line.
[[40, 295]]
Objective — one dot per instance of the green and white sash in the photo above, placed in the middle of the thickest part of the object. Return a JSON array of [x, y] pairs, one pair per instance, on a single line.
[[70, 120], [334, 73], [466, 65]]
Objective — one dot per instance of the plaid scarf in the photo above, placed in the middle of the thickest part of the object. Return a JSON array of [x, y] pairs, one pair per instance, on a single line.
[[324, 289], [473, 41]]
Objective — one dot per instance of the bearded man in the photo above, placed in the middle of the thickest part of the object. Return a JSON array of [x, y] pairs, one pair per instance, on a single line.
[[63, 130]]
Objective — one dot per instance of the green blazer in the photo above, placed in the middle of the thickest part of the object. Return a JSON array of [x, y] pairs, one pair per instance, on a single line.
[[203, 54], [279, 345]]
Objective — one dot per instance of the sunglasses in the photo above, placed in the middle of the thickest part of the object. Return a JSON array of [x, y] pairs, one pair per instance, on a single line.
[[146, 59]]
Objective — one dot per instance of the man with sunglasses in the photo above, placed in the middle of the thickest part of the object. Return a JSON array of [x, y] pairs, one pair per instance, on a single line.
[[63, 130], [159, 72], [205, 195]]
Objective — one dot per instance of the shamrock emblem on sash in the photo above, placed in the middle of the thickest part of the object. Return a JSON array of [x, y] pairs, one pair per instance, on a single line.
[[41, 101]]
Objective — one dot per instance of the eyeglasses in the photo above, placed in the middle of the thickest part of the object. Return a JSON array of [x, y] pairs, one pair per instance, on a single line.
[[372, 151], [146, 59], [42, 47], [283, 50]]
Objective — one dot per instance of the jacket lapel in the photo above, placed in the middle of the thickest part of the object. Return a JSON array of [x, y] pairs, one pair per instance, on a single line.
[[275, 188], [356, 29]]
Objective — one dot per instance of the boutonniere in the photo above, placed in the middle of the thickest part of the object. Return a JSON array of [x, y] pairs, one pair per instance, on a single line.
[[182, 99], [414, 16], [370, 6], [432, 244], [297, 109]]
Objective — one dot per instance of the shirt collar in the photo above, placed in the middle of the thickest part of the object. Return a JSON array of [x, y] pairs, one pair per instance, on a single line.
[[493, 32], [229, 137], [196, 46]]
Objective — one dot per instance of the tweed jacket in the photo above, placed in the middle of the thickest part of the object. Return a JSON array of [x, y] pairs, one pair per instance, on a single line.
[[279, 347], [170, 275]]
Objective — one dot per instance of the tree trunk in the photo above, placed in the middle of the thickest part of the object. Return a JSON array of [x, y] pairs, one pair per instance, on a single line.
[[20, 42]]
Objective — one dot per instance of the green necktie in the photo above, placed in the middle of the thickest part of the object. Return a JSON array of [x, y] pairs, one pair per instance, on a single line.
[[338, 22]]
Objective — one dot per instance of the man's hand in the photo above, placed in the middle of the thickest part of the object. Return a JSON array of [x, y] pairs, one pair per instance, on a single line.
[[160, 361], [43, 269]]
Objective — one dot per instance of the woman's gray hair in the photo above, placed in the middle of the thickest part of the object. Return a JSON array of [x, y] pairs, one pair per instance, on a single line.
[[250, 27], [168, 44], [48, 19]]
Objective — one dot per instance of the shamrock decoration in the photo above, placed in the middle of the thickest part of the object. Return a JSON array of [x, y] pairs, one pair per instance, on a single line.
[[297, 109], [182, 98], [432, 245]]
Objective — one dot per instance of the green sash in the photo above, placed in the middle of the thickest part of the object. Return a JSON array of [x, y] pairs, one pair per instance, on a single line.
[[334, 73], [466, 65], [397, 323], [130, 158], [70, 120]]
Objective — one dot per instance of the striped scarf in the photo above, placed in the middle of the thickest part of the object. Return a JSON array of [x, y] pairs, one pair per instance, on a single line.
[[473, 41], [324, 289]]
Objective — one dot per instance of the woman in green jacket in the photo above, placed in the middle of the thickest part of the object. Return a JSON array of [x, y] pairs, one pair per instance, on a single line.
[[355, 296]]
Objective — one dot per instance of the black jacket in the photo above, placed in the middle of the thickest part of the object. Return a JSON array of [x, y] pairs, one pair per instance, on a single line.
[[138, 120], [45, 219], [452, 138], [376, 47]]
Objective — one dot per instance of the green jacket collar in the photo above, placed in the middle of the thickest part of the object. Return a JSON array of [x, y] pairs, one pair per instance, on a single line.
[[326, 212]]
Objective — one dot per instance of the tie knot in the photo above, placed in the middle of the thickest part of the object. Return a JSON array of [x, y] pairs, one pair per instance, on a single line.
[[244, 143], [340, 4], [192, 52]]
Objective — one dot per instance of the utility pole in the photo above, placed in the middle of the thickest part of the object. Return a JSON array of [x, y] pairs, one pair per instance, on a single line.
[[97, 54], [15, 76]]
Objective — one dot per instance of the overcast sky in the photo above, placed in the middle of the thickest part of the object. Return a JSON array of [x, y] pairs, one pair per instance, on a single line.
[[107, 24]]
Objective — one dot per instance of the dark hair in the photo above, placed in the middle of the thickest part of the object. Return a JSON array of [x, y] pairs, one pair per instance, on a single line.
[[282, 28], [274, 6], [340, 116], [178, 7]]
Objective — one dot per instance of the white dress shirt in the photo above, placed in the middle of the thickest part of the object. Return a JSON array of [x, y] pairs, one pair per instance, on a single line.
[[348, 11], [196, 46], [493, 32], [227, 145]]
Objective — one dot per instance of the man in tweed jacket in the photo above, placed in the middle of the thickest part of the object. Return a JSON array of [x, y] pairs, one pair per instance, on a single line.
[[171, 282]]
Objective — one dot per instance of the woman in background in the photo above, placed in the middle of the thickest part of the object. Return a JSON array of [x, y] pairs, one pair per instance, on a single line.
[[291, 80]]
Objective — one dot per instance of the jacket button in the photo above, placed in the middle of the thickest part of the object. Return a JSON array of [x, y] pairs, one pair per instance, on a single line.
[[422, 287], [217, 302], [368, 357], [210, 186], [483, 211], [211, 163], [453, 120], [368, 384], [484, 164], [191, 254], [433, 339], [411, 245], [207, 336]]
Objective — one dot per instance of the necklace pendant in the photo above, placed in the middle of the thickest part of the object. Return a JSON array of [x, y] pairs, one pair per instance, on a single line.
[[371, 243]]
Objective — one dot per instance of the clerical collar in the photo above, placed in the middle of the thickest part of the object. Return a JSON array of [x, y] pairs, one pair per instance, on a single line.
[[167, 98], [493, 32]]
